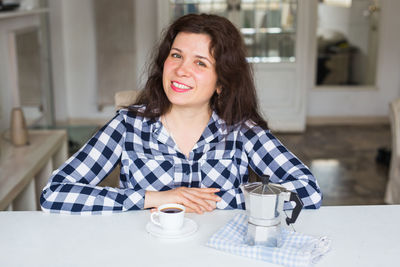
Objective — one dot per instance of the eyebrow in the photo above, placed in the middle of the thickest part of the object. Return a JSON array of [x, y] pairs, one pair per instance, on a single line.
[[198, 56]]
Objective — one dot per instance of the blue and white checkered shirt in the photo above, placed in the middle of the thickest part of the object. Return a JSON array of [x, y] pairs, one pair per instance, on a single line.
[[150, 160]]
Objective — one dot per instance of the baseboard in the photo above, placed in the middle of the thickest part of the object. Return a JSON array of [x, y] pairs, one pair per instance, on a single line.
[[82, 121], [348, 120], [310, 121]]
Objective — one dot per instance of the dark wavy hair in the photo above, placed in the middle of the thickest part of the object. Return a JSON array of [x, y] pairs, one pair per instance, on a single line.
[[237, 101]]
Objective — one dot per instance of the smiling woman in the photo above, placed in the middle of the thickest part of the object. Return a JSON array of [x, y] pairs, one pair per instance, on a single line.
[[190, 138]]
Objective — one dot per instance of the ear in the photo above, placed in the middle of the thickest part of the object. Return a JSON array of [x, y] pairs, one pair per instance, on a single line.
[[218, 90]]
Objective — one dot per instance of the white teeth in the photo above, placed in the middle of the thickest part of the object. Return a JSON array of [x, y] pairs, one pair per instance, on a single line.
[[181, 86]]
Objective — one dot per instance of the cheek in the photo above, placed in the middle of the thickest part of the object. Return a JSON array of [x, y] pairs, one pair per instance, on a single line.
[[167, 69], [169, 65], [209, 81], [166, 66]]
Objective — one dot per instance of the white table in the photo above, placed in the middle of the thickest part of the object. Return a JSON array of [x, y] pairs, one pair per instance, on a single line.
[[361, 236]]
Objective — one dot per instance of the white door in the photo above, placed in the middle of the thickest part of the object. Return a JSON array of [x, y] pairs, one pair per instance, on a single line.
[[275, 33], [282, 87]]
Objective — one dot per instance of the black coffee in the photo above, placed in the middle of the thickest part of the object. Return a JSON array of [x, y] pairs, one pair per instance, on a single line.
[[171, 210]]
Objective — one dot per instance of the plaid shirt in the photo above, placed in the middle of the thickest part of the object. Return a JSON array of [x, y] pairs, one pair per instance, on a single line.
[[150, 160]]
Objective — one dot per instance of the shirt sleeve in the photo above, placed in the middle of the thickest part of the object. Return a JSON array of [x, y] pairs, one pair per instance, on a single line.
[[72, 187], [268, 156]]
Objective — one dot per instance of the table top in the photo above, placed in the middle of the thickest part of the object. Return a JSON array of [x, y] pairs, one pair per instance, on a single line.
[[18, 13], [361, 236], [20, 164]]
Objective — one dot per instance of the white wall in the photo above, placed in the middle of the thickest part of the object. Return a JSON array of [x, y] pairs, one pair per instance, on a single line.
[[75, 76], [352, 102], [59, 74], [74, 56], [334, 18], [146, 32]]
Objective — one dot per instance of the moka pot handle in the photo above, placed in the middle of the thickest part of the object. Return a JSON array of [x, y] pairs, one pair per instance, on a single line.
[[296, 211]]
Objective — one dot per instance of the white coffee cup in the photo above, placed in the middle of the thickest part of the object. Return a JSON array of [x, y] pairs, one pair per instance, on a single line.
[[169, 217]]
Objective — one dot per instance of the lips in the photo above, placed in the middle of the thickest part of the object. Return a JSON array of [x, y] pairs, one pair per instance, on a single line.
[[180, 87]]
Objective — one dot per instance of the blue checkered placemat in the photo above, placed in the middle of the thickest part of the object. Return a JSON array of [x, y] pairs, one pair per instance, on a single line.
[[297, 249]]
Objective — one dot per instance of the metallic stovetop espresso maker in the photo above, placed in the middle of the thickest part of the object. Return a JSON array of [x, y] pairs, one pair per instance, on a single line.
[[264, 204]]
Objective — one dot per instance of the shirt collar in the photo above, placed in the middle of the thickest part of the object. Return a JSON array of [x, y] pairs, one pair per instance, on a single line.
[[216, 129], [160, 133], [214, 132]]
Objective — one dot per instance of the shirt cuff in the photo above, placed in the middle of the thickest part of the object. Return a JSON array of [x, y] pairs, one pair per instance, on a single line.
[[134, 200], [231, 199]]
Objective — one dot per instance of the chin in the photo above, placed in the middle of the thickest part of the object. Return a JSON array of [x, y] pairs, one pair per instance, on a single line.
[[178, 99]]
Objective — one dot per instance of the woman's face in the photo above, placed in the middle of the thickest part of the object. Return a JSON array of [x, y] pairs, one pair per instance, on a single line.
[[189, 76]]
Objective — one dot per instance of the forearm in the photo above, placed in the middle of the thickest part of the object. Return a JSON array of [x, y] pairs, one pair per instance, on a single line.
[[154, 199], [231, 199], [77, 198], [273, 159], [307, 190]]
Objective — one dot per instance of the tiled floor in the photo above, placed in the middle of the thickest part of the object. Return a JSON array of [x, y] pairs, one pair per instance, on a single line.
[[343, 159]]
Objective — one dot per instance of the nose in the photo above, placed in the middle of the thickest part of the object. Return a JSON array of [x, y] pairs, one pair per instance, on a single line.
[[182, 69]]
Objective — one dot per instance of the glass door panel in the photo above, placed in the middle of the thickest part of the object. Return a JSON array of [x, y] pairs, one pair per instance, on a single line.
[[268, 26]]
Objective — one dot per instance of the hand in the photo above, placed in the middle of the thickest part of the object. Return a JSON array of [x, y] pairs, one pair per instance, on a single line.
[[194, 199], [212, 203]]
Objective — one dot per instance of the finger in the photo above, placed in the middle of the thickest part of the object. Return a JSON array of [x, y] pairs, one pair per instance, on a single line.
[[198, 199], [213, 204], [202, 192], [204, 195], [189, 210], [211, 199], [188, 203], [206, 190], [195, 208], [195, 197]]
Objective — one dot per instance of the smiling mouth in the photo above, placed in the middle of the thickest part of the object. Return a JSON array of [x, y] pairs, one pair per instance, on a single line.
[[179, 87]]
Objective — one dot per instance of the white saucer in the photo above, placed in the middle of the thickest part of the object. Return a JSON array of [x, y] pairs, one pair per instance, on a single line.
[[189, 227]]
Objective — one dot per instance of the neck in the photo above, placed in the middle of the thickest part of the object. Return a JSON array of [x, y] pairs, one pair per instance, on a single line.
[[186, 117], [186, 125]]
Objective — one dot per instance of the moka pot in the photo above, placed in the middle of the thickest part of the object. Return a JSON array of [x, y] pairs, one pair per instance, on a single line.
[[264, 203]]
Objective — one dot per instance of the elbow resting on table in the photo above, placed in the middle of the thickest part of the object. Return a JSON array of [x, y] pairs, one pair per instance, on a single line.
[[44, 203], [48, 201], [316, 201]]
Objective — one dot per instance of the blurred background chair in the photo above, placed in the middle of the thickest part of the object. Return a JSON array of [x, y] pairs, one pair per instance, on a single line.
[[125, 98], [392, 194]]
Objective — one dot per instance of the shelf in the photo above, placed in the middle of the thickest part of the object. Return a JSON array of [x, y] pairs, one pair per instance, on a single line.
[[20, 13], [270, 59], [26, 169], [274, 30]]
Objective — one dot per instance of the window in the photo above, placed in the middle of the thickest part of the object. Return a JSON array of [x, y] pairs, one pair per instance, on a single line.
[[268, 26]]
